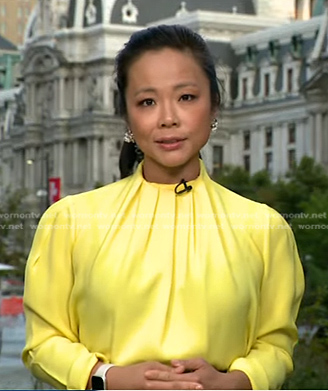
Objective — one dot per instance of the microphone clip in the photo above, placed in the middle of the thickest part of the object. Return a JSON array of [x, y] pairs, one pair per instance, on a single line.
[[186, 188]]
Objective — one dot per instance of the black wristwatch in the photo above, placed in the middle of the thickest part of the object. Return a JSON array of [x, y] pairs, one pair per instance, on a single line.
[[98, 379]]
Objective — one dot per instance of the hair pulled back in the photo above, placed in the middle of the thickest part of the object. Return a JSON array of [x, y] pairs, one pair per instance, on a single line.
[[156, 38]]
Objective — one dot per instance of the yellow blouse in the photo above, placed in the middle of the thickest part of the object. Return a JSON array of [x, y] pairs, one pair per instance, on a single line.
[[133, 272]]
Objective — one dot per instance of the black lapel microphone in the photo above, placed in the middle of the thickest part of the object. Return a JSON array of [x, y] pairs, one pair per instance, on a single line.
[[186, 187]]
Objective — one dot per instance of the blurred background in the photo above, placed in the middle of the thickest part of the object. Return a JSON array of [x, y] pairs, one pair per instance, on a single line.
[[61, 133]]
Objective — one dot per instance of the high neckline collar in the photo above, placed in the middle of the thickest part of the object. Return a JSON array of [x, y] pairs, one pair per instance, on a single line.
[[169, 186]]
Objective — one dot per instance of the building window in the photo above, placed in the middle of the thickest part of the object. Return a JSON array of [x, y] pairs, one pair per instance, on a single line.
[[250, 57], [268, 136], [273, 49], [291, 158], [247, 140], [296, 45], [244, 86], [291, 133], [247, 163], [267, 84], [268, 161], [249, 54], [3, 28], [290, 75], [20, 12], [217, 158]]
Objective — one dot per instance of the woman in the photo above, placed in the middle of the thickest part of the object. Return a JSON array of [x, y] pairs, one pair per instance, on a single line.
[[165, 279]]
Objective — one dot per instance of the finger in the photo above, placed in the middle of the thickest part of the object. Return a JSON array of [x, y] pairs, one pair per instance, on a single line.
[[189, 365], [154, 374], [176, 385], [165, 376], [159, 366], [179, 369]]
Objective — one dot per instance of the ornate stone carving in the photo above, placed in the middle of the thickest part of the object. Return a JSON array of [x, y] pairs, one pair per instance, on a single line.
[[94, 94], [90, 13], [129, 12], [47, 102], [20, 111], [60, 10], [42, 59], [182, 9], [45, 22]]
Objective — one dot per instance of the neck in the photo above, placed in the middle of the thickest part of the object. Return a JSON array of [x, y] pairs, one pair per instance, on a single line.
[[170, 175]]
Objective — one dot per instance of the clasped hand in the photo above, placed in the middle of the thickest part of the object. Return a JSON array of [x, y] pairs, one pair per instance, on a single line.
[[194, 374]]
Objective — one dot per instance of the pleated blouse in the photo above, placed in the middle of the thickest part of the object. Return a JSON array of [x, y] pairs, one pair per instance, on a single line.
[[133, 272]]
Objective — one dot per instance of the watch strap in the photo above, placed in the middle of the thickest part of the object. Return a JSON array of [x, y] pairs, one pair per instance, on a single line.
[[101, 373]]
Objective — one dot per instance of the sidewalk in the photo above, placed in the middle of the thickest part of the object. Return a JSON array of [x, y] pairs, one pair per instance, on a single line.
[[13, 374]]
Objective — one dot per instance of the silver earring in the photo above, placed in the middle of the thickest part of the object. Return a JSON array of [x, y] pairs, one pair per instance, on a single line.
[[128, 136], [214, 125]]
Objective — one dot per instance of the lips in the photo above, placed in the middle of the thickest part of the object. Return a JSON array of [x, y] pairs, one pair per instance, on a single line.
[[170, 143], [170, 140]]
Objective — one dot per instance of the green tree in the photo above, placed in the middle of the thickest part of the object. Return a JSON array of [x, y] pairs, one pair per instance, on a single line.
[[12, 230], [263, 188], [258, 187], [311, 228], [312, 175], [236, 179], [302, 198], [305, 179]]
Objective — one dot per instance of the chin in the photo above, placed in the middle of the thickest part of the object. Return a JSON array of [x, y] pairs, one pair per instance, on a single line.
[[176, 162]]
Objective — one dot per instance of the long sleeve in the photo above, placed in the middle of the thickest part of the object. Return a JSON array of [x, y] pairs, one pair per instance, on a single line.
[[270, 357], [53, 352], [130, 272]]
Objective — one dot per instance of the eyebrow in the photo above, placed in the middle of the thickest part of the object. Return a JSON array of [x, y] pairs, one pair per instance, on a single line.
[[177, 87]]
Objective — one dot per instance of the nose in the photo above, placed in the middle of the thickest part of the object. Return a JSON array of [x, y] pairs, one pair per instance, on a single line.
[[168, 116]]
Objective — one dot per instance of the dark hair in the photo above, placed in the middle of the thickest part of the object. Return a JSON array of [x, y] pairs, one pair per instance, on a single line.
[[156, 38]]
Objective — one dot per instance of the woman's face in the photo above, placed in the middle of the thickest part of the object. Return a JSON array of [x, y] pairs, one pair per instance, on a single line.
[[169, 112]]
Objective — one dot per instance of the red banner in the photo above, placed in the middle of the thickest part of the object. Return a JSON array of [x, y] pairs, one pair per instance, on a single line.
[[54, 190], [11, 306]]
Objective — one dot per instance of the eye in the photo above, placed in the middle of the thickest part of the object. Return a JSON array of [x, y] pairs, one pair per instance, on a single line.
[[187, 97], [147, 102]]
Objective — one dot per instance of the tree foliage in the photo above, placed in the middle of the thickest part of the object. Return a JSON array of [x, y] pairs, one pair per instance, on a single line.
[[311, 229], [302, 198], [12, 230]]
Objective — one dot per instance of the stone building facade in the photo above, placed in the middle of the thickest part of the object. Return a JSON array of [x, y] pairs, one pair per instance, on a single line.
[[272, 64]]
